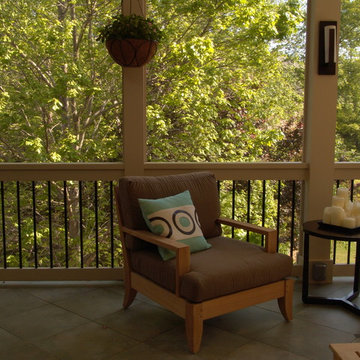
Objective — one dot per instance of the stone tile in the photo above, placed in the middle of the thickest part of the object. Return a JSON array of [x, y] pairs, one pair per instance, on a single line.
[[15, 301], [94, 304], [55, 294], [141, 321], [335, 289], [89, 341], [256, 351], [216, 343], [116, 287], [247, 322], [332, 316], [298, 304], [144, 298], [142, 351], [40, 323], [305, 339], [7, 341], [26, 351]]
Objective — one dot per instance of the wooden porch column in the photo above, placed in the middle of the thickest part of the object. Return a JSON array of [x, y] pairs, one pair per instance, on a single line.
[[134, 105], [320, 122]]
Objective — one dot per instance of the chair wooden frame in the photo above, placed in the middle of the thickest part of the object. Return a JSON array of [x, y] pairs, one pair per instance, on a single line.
[[195, 313]]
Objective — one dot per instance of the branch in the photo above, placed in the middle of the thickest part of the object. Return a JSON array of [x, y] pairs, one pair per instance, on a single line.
[[13, 151]]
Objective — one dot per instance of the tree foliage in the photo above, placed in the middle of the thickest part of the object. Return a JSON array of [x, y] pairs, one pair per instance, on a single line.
[[60, 98], [223, 87], [348, 119]]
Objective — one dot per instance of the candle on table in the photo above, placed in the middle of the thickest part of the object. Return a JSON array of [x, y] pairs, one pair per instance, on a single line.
[[338, 201], [348, 207], [356, 209], [342, 192], [327, 215], [337, 215], [349, 222]]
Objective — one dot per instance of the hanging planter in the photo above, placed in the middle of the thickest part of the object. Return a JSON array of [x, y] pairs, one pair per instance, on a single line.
[[131, 40], [131, 52]]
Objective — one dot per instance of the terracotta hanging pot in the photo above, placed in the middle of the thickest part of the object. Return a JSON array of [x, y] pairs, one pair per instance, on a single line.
[[131, 52]]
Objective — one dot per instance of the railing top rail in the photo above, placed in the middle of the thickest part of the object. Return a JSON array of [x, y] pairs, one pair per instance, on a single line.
[[222, 170], [61, 171], [112, 171], [235, 170]]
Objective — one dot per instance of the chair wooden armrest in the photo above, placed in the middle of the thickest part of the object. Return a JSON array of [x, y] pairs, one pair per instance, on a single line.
[[182, 251], [270, 234]]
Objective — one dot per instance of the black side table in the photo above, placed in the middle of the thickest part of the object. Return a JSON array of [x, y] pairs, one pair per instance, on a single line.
[[312, 228]]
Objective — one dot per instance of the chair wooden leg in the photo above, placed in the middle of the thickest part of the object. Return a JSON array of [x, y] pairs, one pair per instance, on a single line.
[[129, 296], [285, 303], [194, 326]]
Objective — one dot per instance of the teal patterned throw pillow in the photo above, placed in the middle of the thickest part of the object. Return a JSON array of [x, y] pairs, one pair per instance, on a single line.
[[174, 217]]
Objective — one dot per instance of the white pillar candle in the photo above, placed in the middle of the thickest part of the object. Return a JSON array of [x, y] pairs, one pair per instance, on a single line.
[[349, 223], [355, 209], [357, 221], [342, 192], [337, 215], [348, 207], [338, 201], [327, 215]]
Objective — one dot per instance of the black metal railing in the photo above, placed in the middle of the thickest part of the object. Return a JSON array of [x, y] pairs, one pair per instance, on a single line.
[[58, 224], [71, 224], [274, 204]]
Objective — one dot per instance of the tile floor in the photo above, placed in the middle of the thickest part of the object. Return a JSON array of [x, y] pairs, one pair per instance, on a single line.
[[84, 320]]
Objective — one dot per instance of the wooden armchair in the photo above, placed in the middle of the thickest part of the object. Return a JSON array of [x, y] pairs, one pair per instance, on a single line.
[[230, 275]]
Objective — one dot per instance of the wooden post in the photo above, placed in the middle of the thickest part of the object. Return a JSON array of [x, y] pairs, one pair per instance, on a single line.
[[134, 106], [320, 122]]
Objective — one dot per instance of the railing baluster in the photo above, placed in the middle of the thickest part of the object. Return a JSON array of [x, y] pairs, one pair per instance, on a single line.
[[352, 199], [292, 231], [112, 222], [278, 213], [263, 211], [3, 223], [66, 227], [19, 222], [248, 208], [233, 206], [50, 226], [34, 224], [334, 241], [96, 223], [81, 225]]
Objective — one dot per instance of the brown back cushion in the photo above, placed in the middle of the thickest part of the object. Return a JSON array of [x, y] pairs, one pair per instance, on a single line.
[[202, 187]]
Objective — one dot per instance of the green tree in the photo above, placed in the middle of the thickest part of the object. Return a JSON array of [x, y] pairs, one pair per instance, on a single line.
[[348, 107], [222, 86], [60, 96]]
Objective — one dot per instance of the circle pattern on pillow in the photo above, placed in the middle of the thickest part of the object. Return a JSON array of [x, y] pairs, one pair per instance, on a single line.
[[184, 222], [175, 223], [161, 226]]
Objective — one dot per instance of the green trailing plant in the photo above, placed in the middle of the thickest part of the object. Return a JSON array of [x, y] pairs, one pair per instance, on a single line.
[[130, 27]]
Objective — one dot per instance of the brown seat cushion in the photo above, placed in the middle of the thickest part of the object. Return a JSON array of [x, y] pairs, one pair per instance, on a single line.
[[227, 267], [202, 187]]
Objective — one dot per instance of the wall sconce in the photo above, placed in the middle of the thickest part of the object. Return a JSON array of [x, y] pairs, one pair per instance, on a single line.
[[327, 47]]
